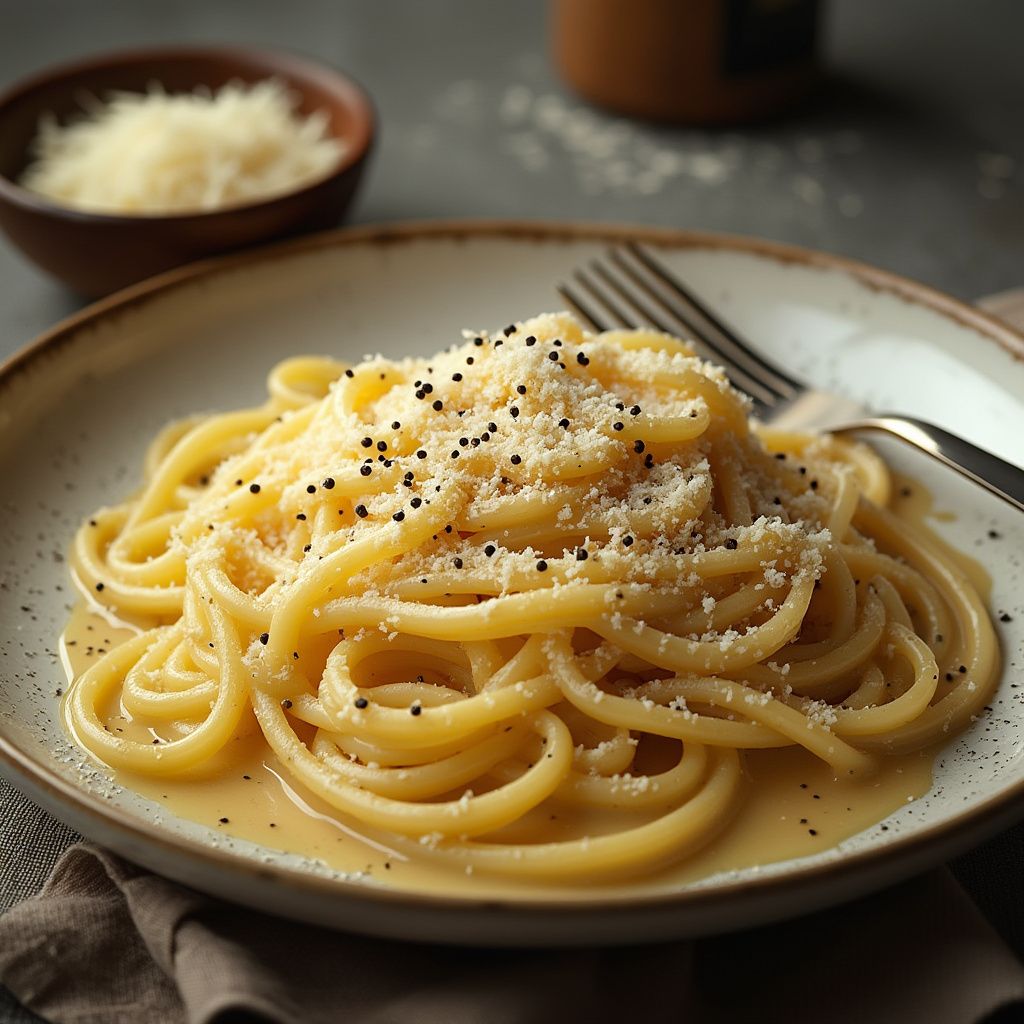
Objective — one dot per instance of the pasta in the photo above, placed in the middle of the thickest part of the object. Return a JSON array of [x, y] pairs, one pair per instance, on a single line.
[[543, 570]]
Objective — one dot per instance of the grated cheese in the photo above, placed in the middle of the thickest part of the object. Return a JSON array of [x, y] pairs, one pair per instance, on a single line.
[[154, 153]]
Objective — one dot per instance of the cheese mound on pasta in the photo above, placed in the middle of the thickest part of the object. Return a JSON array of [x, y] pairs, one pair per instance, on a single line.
[[539, 574]]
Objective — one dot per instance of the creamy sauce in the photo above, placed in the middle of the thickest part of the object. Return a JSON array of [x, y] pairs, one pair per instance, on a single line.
[[792, 806]]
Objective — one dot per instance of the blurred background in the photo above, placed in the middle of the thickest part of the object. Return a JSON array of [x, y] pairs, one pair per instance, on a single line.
[[906, 153]]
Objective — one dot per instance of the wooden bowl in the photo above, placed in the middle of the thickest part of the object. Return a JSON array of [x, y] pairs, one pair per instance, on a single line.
[[97, 253]]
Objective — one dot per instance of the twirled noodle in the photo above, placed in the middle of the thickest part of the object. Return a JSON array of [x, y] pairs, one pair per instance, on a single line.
[[542, 569]]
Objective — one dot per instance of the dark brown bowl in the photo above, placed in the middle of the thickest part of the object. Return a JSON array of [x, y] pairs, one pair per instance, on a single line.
[[98, 253]]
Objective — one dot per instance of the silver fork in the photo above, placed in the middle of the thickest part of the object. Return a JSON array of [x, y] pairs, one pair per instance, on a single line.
[[631, 288]]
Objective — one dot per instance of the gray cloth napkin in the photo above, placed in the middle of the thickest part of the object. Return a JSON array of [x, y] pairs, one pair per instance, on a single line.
[[107, 941]]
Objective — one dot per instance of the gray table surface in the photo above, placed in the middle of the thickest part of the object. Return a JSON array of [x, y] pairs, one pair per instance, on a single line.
[[910, 158]]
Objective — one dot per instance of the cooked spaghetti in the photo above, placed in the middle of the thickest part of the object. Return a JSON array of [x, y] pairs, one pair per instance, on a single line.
[[542, 574]]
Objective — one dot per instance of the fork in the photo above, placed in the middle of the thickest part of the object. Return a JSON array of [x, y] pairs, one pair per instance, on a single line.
[[630, 288]]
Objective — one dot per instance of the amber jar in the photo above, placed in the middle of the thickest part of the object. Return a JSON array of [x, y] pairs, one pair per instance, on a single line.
[[687, 61]]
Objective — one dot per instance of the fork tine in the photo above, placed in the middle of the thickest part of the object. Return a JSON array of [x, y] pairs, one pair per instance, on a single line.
[[620, 318], [579, 306], [737, 351], [741, 378], [762, 395], [639, 309], [676, 312]]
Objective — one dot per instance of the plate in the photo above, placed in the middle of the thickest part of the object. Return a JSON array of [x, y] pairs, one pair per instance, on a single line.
[[78, 406]]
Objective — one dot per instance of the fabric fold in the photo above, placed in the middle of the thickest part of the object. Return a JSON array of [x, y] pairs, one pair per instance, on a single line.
[[107, 941]]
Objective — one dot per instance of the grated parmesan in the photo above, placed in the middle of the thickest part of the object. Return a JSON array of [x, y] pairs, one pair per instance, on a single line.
[[155, 153]]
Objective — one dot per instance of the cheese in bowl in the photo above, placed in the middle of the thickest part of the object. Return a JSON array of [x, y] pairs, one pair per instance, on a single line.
[[157, 153]]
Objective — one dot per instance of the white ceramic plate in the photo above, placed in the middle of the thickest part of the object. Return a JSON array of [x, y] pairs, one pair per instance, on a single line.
[[77, 408]]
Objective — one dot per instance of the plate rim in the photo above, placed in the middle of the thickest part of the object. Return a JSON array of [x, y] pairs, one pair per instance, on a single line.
[[57, 792]]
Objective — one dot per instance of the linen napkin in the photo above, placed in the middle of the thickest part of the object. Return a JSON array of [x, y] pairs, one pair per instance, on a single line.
[[108, 942]]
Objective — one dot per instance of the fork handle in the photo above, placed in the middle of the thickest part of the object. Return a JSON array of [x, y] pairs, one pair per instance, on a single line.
[[1002, 478]]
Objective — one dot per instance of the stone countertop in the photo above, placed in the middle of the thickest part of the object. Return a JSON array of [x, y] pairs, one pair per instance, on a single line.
[[909, 157]]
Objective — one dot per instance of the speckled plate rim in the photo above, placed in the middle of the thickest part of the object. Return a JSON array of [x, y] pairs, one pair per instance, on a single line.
[[861, 870]]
